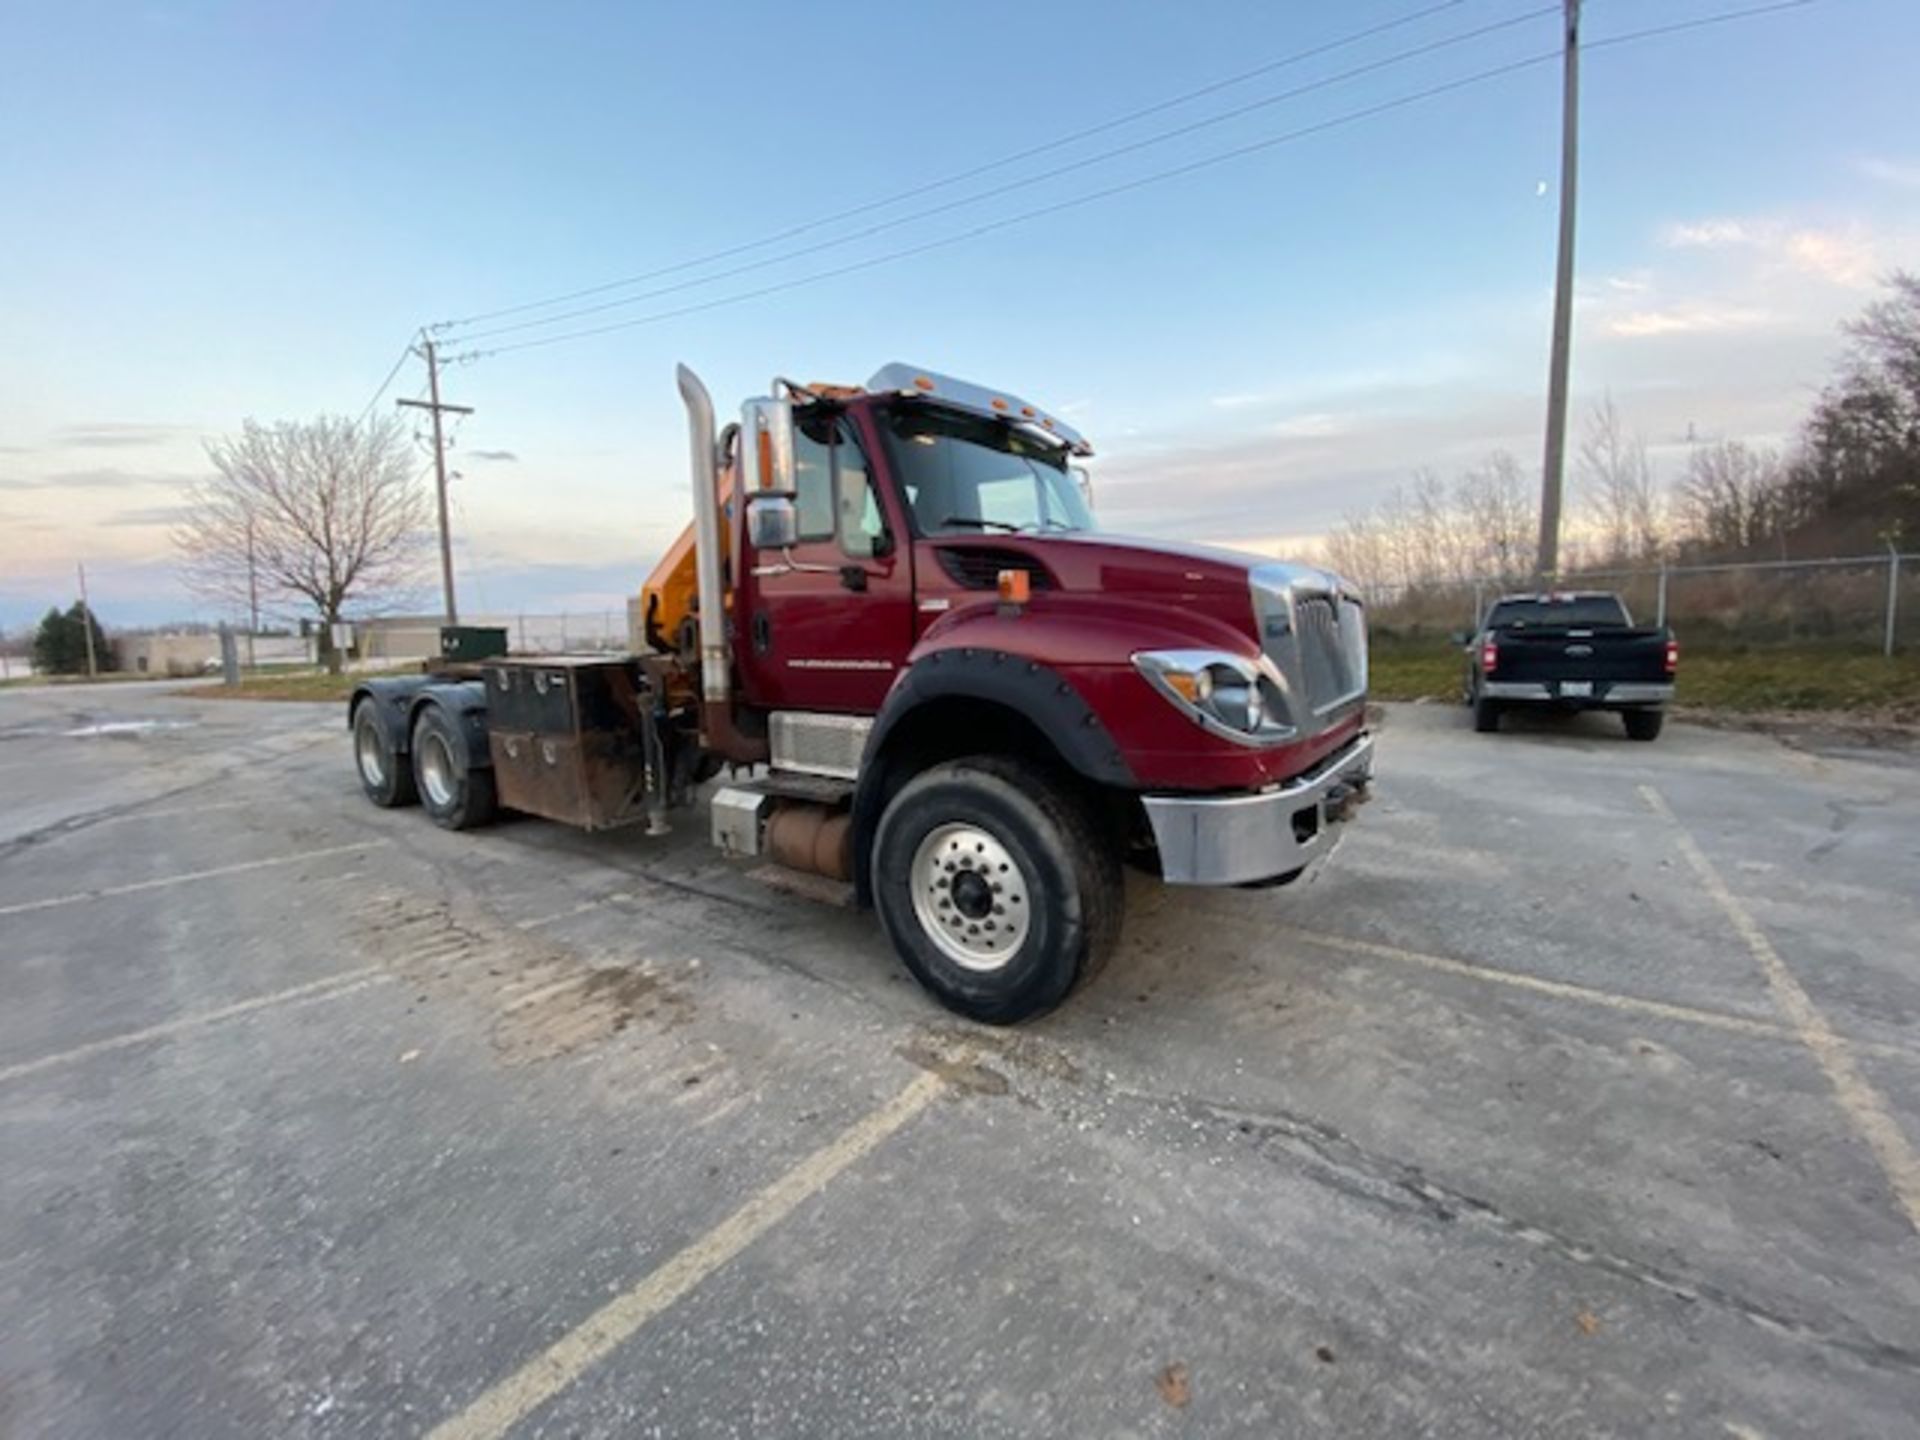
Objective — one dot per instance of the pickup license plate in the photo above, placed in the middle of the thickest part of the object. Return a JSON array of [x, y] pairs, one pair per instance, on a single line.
[[1576, 689]]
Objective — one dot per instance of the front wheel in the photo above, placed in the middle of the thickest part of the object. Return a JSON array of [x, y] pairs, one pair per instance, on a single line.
[[1643, 724], [994, 887], [457, 796]]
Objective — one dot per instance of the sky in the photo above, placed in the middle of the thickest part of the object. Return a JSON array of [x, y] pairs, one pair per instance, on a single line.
[[229, 210]]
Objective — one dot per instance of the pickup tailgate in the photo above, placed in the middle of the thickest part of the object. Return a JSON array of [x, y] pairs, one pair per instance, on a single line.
[[1553, 653]]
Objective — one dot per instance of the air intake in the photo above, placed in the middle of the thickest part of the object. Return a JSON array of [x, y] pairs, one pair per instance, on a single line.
[[978, 567]]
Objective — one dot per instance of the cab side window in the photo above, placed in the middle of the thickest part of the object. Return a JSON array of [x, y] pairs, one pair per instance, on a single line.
[[834, 488]]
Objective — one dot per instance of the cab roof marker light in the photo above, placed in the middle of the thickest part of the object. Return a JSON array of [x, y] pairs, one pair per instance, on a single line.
[[968, 398]]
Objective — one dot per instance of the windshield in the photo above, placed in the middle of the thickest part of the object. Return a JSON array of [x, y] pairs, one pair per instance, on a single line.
[[1580, 611], [964, 475]]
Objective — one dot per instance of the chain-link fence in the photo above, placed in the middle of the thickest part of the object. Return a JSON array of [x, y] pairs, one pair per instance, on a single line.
[[567, 632], [1861, 602]]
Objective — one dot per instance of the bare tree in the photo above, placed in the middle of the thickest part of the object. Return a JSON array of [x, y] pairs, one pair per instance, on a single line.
[[320, 514], [1498, 507], [1731, 495], [1617, 484], [1429, 534]]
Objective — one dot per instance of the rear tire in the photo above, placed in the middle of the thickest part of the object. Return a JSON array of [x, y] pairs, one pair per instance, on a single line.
[[994, 887], [1486, 715], [1643, 724], [456, 796], [385, 775]]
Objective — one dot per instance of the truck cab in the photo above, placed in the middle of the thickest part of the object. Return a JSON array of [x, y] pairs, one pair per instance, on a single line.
[[935, 676]]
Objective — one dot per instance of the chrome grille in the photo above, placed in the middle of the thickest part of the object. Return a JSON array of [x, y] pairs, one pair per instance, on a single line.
[[1315, 636], [1333, 649]]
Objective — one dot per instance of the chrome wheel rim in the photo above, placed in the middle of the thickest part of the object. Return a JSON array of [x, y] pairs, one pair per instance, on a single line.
[[436, 770], [970, 897], [367, 751]]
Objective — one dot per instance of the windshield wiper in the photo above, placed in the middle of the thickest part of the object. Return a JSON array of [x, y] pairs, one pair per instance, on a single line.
[[980, 523]]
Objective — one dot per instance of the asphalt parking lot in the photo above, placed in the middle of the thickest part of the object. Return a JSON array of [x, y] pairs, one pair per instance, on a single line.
[[1579, 1094]]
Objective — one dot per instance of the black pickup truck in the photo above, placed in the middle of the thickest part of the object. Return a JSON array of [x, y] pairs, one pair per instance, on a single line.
[[1570, 651]]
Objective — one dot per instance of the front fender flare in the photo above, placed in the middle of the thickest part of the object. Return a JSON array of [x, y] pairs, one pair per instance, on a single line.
[[1035, 692]]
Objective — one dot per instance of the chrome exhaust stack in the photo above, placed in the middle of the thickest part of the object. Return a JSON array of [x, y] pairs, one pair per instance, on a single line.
[[716, 685], [718, 727]]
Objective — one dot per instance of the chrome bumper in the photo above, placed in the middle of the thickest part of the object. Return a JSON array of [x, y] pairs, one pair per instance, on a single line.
[[1605, 692], [1237, 839]]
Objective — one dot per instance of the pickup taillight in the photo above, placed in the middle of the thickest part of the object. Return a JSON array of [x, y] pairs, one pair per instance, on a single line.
[[1673, 656], [1489, 655]]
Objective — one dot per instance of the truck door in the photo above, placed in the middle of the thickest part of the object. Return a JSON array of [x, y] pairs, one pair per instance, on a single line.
[[829, 623]]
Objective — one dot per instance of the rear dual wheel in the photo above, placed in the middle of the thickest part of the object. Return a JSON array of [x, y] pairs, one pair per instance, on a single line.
[[994, 887], [456, 795], [385, 774]]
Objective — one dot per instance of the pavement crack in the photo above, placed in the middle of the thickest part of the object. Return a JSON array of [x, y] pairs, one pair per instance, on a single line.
[[1333, 1159]]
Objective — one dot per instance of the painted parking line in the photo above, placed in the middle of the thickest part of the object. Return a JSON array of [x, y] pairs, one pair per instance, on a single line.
[[560, 1364], [1862, 1103], [1584, 994], [105, 892], [333, 987]]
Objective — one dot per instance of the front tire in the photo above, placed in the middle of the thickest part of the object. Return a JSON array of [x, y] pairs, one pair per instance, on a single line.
[[455, 795], [385, 775], [994, 888], [1643, 724]]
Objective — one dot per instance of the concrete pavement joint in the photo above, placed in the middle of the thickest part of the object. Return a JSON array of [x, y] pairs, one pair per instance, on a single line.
[[1862, 1103], [1335, 1160]]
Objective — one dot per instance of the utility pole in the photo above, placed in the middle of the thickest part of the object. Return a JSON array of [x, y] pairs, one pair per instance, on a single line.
[[1553, 470], [86, 618], [440, 466]]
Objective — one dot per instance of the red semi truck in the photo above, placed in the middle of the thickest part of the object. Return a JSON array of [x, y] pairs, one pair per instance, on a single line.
[[896, 626]]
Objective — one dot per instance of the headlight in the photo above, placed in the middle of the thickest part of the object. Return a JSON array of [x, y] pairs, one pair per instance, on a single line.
[[1229, 695]]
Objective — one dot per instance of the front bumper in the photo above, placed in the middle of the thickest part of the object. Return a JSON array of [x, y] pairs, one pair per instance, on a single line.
[[1605, 692], [1239, 839]]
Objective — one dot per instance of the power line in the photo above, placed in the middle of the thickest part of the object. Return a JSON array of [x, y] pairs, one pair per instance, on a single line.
[[374, 399], [1117, 122], [1027, 182], [1156, 177]]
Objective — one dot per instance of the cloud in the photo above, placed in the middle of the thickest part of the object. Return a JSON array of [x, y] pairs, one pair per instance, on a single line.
[[504, 457], [1710, 234], [1902, 173], [1314, 426], [1847, 257], [1686, 320], [105, 478], [149, 515], [112, 434], [1841, 257]]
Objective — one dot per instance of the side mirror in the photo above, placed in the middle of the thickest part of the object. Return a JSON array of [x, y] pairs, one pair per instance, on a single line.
[[772, 522], [766, 447], [1459, 637]]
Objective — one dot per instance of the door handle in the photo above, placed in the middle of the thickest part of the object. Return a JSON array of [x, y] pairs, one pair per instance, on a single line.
[[854, 578]]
